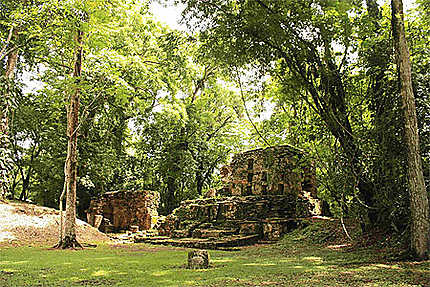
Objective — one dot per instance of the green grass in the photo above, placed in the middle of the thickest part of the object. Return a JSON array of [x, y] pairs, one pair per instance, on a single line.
[[292, 262]]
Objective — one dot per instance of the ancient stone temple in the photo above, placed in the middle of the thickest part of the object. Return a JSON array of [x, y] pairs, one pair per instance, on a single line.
[[124, 210], [278, 170], [266, 192]]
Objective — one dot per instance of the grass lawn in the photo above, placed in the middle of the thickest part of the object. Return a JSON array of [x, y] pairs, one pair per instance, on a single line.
[[291, 262]]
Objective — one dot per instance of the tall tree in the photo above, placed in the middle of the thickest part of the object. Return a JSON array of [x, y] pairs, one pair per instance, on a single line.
[[68, 238], [420, 221], [11, 53]]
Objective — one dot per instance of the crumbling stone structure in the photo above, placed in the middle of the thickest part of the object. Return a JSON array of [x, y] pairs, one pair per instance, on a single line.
[[266, 192], [124, 210], [278, 170]]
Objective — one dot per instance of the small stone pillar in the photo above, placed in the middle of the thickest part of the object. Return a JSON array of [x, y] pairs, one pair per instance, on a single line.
[[198, 259], [98, 220]]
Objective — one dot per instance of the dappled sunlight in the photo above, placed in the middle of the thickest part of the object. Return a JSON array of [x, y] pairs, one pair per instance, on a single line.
[[313, 259], [198, 270], [160, 273], [396, 267], [9, 270], [288, 260], [223, 260], [13, 262], [259, 264], [339, 246], [100, 273], [74, 278], [263, 266], [321, 267]]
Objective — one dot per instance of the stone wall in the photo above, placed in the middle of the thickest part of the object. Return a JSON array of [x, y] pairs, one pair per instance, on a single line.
[[272, 171], [124, 210]]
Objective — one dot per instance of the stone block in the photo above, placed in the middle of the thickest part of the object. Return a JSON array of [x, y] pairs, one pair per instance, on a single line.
[[250, 227], [134, 228], [198, 259]]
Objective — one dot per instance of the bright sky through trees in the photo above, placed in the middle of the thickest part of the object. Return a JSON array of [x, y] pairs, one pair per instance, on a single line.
[[171, 15]]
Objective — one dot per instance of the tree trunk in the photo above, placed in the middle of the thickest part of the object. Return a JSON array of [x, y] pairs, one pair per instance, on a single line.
[[25, 185], [199, 178], [12, 60], [420, 224], [334, 113], [171, 194], [68, 239]]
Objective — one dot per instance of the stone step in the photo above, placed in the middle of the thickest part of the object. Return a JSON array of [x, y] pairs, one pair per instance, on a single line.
[[212, 233], [181, 233], [231, 242]]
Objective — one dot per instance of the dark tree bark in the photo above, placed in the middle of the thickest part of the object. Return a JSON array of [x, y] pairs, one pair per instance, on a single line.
[[171, 194], [419, 205], [199, 178], [68, 238]]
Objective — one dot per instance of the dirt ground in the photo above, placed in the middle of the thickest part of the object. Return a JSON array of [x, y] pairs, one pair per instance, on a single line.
[[23, 224]]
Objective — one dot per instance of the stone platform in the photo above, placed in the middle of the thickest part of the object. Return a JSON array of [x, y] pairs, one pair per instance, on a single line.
[[222, 243], [265, 193], [228, 222], [268, 216]]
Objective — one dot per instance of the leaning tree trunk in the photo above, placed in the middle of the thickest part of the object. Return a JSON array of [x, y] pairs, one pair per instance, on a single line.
[[419, 205], [68, 237], [12, 60]]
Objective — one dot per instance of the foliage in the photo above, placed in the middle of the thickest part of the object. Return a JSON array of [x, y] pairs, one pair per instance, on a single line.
[[334, 89], [142, 95]]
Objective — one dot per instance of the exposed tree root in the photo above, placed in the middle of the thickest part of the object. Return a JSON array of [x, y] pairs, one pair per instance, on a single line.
[[68, 243]]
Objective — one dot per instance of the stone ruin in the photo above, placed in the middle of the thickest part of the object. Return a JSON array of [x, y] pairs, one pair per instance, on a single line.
[[124, 210], [265, 194]]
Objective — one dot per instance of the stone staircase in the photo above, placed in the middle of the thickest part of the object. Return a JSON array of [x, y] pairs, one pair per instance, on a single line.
[[229, 222]]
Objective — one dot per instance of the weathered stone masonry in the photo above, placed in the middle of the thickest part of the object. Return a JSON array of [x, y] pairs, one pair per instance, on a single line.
[[265, 193], [277, 170], [124, 210]]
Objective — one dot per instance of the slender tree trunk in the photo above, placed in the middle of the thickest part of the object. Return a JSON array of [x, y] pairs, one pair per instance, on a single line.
[[171, 194], [199, 179], [68, 239], [25, 185], [12, 60], [419, 205]]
